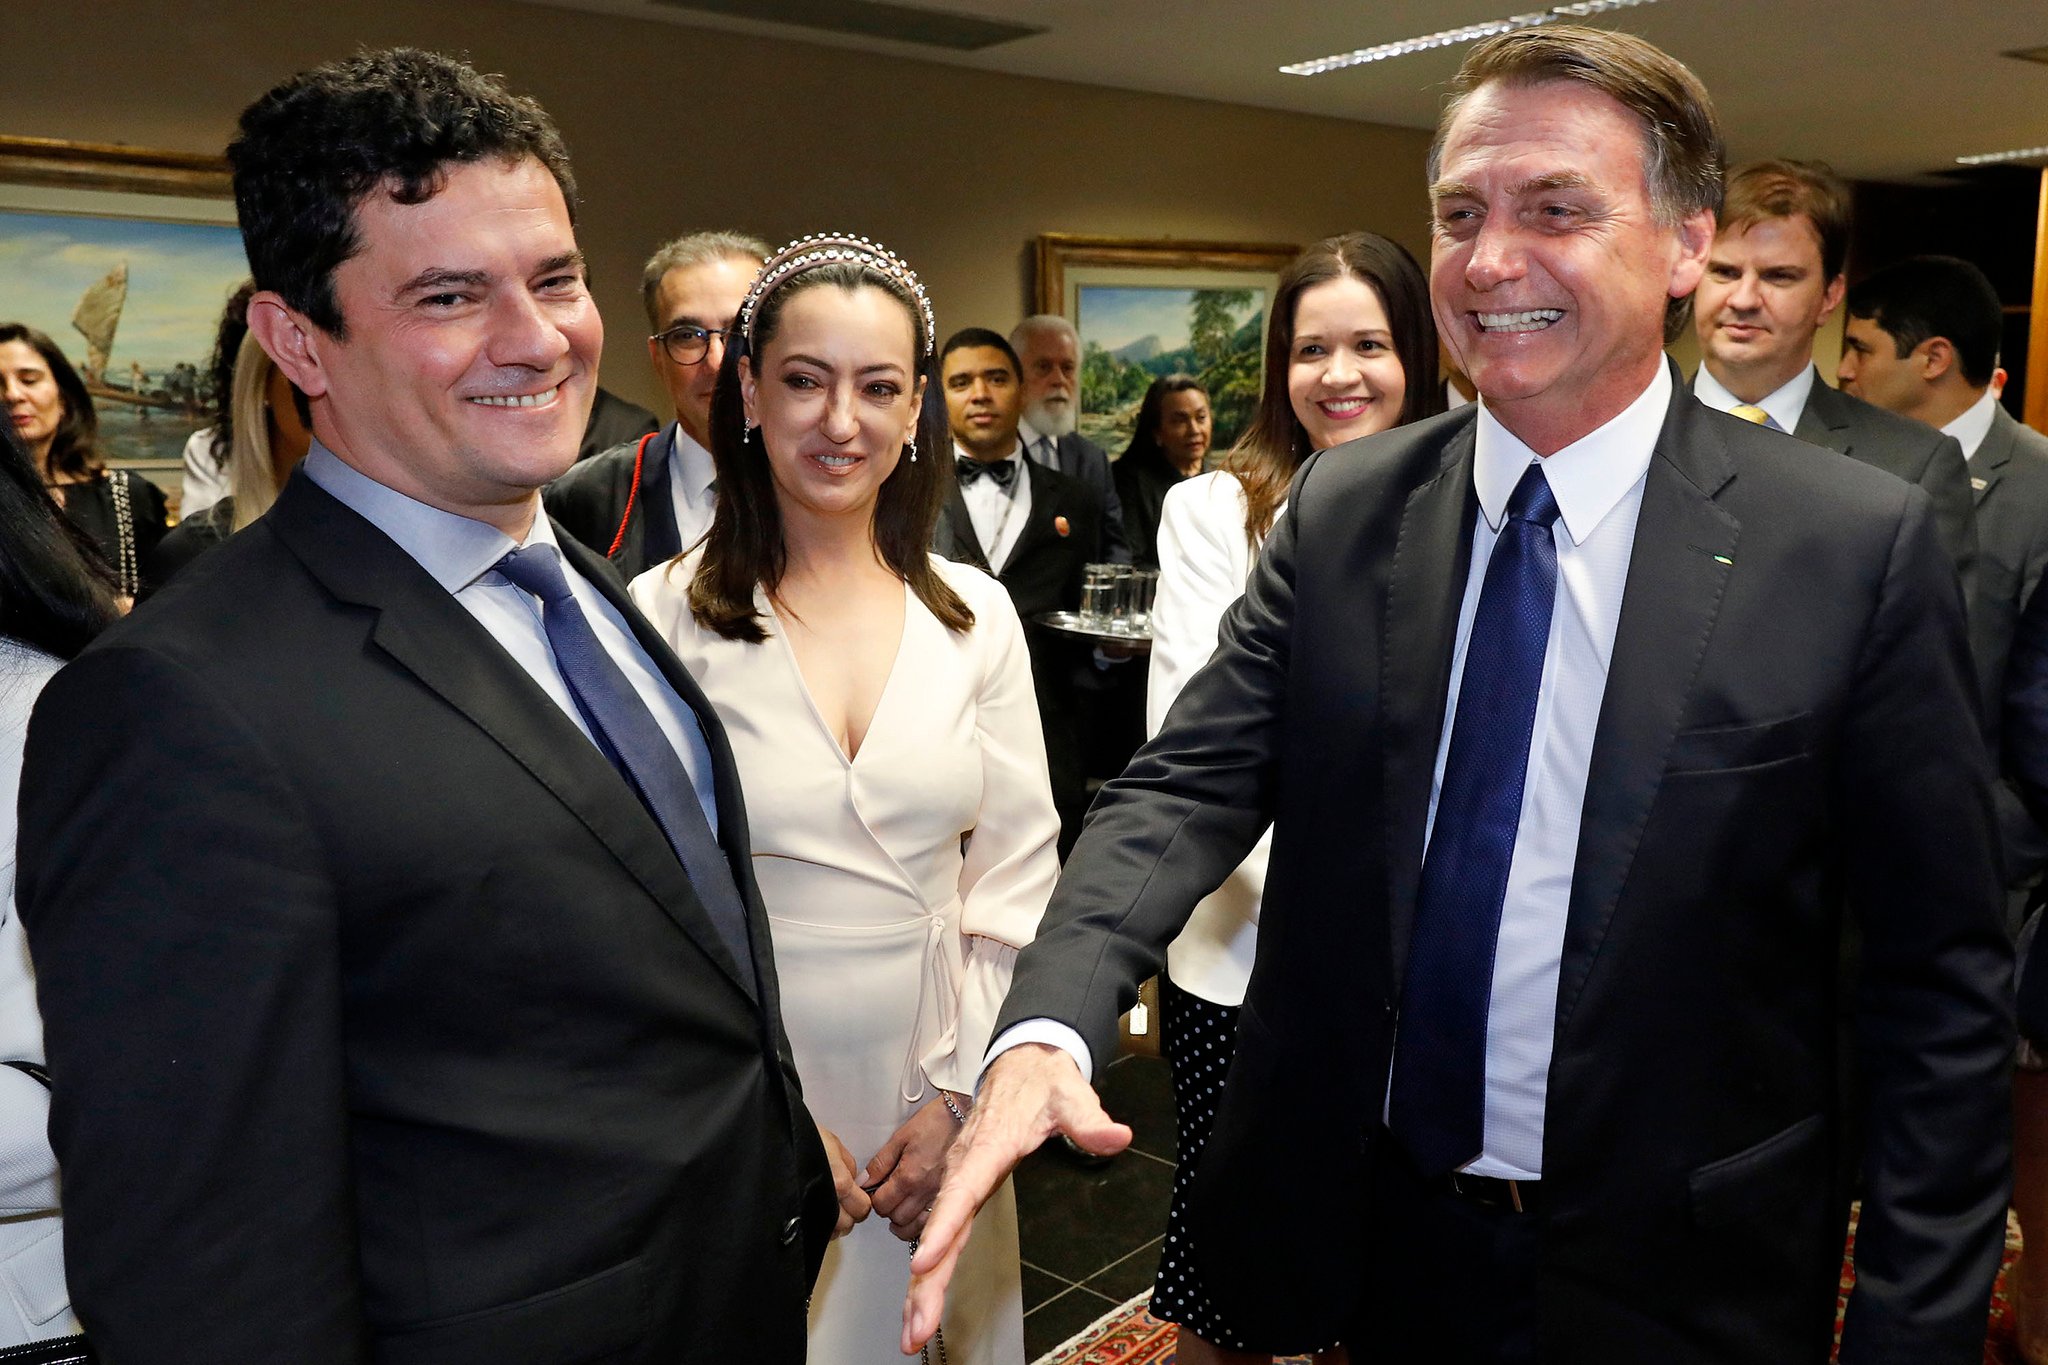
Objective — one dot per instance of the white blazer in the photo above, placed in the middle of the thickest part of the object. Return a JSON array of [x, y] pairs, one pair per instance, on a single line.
[[1204, 560], [34, 1302]]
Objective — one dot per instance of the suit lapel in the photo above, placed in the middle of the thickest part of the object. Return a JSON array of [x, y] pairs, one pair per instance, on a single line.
[[1419, 631], [1987, 466], [1038, 522], [954, 536], [1824, 422], [425, 631], [1684, 550]]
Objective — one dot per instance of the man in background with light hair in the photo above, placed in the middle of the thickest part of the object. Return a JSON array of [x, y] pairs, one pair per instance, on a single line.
[[642, 503], [1050, 350]]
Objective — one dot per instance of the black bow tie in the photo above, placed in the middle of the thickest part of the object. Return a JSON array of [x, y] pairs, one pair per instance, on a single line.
[[1004, 472]]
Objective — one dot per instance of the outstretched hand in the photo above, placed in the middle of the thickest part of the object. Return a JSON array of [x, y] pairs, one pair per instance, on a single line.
[[1030, 1093]]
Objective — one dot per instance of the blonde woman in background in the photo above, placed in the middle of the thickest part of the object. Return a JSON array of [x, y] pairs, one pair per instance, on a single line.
[[269, 437]]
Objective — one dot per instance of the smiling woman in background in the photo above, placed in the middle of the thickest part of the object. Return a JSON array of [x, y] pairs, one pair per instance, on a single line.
[[1352, 351]]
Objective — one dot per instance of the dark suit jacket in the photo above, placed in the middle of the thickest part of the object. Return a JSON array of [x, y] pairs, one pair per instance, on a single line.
[[1787, 727], [386, 1025], [1913, 451], [1080, 458], [2009, 474], [593, 499], [1042, 574], [614, 421]]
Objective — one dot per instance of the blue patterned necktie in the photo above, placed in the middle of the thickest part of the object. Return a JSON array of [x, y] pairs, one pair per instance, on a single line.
[[1437, 1103], [627, 734]]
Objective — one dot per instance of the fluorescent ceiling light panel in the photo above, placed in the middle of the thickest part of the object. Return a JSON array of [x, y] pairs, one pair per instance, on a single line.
[[2000, 158], [1470, 33]]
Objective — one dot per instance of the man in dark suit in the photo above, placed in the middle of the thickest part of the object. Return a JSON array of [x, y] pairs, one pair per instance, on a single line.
[[1049, 349], [643, 502], [1578, 718], [409, 998], [1921, 340], [1030, 526], [1773, 281]]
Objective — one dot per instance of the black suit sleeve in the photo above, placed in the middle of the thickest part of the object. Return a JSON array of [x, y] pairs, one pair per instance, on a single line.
[[190, 992], [1933, 1008], [1167, 832]]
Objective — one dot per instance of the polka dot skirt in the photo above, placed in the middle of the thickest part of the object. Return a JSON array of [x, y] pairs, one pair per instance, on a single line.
[[1199, 1037]]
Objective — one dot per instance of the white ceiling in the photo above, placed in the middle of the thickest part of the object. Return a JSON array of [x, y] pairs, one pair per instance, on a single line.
[[1883, 89]]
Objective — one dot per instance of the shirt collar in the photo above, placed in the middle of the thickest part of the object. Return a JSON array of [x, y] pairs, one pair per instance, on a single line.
[[454, 550], [1785, 406], [691, 462], [1587, 477], [1974, 424]]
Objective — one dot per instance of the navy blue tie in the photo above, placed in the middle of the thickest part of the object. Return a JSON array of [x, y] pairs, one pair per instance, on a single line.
[[627, 734], [1437, 1103]]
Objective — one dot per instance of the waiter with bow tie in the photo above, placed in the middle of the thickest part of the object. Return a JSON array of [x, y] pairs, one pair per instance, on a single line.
[[1030, 526]]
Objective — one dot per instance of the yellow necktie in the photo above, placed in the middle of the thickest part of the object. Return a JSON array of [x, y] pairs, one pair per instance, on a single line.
[[1749, 412]]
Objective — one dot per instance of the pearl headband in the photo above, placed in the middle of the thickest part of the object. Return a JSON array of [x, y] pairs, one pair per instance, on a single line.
[[834, 248]]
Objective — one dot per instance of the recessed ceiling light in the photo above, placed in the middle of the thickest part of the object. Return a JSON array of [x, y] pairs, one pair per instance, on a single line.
[[2000, 158], [1451, 36]]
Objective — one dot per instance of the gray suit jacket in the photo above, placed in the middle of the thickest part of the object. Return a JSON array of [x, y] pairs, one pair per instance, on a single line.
[[1912, 450], [2009, 476]]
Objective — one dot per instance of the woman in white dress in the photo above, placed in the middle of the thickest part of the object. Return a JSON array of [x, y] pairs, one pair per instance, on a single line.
[[880, 707], [1351, 351]]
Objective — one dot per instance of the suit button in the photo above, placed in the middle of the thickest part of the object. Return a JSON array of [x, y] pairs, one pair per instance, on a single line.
[[791, 1229]]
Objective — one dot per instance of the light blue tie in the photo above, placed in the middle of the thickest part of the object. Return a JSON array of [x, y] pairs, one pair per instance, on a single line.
[[627, 734], [1436, 1106]]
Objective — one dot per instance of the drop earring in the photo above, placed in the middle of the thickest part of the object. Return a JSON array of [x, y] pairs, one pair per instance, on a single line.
[[910, 449]]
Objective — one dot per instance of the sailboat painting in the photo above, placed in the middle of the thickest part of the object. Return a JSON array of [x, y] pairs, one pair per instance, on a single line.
[[135, 304]]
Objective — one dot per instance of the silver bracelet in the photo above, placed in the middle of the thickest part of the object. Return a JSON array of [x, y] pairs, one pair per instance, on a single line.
[[946, 1098]]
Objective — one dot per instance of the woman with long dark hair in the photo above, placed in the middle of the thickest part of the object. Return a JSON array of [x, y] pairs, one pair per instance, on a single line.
[[1168, 444], [123, 514], [880, 707], [53, 600], [1351, 351]]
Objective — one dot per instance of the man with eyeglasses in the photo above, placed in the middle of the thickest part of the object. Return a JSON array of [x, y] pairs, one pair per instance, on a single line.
[[647, 500]]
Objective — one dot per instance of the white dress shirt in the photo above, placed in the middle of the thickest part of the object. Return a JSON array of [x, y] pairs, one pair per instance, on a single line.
[[690, 491], [1973, 424], [998, 513], [205, 483], [459, 554], [1785, 405], [1598, 484]]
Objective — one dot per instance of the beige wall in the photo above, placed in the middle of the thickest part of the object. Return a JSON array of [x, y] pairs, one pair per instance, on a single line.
[[675, 128]]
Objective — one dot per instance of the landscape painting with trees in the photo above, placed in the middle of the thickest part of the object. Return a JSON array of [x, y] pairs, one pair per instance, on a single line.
[[1131, 335]]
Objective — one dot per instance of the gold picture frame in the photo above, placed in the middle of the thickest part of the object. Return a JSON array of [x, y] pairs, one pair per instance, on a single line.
[[1146, 308]]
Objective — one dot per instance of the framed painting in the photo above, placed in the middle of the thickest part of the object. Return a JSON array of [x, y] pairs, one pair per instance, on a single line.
[[125, 257], [1151, 308]]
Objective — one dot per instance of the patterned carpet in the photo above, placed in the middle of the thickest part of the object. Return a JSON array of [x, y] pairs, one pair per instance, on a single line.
[[1130, 1335]]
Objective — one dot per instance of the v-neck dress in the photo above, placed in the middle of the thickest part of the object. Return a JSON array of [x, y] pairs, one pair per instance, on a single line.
[[899, 885]]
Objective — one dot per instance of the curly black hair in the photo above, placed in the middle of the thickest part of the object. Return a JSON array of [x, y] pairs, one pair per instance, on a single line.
[[315, 147]]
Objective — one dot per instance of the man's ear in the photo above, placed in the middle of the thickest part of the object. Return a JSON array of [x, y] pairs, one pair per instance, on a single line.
[[1937, 357], [1831, 299], [291, 339], [1695, 244]]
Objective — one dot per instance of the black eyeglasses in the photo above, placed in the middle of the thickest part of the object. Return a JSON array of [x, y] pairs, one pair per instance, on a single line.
[[688, 344]]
